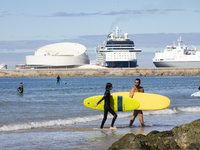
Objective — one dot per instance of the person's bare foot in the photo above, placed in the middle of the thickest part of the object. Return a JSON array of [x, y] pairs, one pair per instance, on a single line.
[[143, 124], [113, 128]]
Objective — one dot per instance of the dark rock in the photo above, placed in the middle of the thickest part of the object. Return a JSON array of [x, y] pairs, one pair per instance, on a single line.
[[187, 136], [131, 141]]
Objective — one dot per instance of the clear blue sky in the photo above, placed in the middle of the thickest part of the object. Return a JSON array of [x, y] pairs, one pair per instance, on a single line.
[[26, 25]]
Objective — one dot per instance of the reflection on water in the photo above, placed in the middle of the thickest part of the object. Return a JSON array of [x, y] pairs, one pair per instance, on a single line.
[[136, 131], [20, 94]]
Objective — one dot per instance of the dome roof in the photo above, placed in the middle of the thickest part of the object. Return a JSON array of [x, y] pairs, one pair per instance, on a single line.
[[67, 49]]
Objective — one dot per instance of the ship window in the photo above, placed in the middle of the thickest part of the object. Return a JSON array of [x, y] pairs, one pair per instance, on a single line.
[[119, 42]]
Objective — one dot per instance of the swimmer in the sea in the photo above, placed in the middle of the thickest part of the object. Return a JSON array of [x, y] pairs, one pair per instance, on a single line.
[[107, 108]]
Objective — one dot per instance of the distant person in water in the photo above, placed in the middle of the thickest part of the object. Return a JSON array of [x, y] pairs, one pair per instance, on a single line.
[[20, 88], [199, 88], [58, 79], [107, 108], [136, 88]]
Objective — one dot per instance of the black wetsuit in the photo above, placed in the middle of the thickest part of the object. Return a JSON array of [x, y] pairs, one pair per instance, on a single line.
[[20, 88], [107, 108], [58, 79]]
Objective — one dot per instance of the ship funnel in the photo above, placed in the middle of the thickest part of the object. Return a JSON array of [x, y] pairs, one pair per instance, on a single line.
[[111, 35], [126, 35]]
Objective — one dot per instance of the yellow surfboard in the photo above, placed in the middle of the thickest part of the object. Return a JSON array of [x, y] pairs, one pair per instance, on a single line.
[[117, 103], [148, 101]]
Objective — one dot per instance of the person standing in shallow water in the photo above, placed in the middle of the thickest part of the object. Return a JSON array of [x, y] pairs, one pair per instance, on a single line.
[[107, 108], [58, 79], [136, 88], [20, 88]]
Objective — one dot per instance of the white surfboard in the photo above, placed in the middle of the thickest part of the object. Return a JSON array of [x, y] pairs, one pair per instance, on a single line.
[[196, 94]]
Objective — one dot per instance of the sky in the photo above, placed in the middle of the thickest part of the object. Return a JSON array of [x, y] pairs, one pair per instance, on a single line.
[[26, 25]]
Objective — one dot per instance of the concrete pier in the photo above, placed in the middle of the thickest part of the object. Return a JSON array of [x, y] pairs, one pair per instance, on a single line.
[[108, 72]]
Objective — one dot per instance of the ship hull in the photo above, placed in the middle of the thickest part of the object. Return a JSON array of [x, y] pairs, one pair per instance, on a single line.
[[177, 64], [121, 64]]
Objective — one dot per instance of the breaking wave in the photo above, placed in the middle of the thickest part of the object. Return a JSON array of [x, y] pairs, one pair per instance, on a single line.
[[71, 121]]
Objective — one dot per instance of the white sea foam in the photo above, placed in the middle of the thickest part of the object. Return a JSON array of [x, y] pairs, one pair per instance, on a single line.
[[174, 110], [70, 121], [190, 109], [50, 123], [161, 112]]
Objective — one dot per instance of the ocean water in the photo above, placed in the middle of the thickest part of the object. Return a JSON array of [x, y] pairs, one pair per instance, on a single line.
[[52, 116]]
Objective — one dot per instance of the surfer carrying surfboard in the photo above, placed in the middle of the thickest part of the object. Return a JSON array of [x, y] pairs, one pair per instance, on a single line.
[[107, 108], [136, 88]]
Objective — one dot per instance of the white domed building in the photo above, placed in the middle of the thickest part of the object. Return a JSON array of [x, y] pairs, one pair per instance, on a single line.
[[58, 55]]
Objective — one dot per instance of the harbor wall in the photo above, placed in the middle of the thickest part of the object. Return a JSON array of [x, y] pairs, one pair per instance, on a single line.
[[107, 72]]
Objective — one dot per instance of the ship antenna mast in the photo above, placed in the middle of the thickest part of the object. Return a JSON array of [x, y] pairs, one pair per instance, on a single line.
[[179, 41], [117, 31]]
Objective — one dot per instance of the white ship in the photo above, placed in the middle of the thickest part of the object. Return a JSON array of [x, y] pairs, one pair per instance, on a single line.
[[117, 52], [3, 66], [177, 56]]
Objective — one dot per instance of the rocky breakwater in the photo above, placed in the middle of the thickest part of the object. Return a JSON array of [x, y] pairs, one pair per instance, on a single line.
[[106, 72], [187, 136]]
